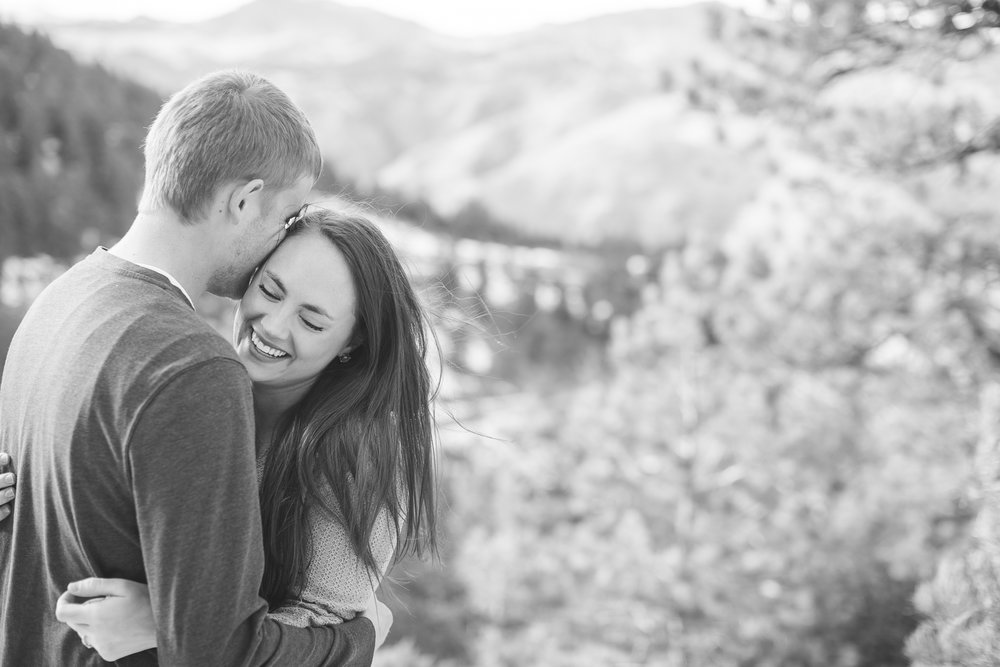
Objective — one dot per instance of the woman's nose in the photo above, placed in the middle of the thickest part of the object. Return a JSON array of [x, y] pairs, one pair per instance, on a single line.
[[274, 325]]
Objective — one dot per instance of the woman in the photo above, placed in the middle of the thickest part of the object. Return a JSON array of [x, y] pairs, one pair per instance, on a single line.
[[333, 337]]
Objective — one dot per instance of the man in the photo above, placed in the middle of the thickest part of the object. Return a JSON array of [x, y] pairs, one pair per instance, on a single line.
[[130, 422]]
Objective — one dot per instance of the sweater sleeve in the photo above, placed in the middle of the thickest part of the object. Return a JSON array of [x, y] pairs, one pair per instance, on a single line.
[[191, 464], [337, 585]]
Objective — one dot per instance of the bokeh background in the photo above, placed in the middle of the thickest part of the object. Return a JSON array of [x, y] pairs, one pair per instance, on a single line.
[[716, 288]]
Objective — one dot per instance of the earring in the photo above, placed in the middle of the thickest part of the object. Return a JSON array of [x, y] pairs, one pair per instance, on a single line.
[[344, 358]]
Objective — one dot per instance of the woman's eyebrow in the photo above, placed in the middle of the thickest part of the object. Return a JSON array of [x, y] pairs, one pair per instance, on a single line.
[[275, 279], [317, 310]]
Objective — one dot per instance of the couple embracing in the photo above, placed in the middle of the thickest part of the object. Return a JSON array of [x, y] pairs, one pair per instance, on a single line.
[[183, 501]]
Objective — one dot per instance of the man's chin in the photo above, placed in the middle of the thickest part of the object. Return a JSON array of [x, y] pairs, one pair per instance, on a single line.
[[233, 295], [230, 289]]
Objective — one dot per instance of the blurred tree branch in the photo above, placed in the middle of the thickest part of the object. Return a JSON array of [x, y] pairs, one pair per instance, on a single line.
[[986, 140]]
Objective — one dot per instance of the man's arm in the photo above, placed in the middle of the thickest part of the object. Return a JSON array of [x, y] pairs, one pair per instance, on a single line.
[[191, 462]]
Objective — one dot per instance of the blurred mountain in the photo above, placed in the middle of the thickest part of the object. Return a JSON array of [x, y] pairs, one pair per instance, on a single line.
[[584, 132], [70, 156]]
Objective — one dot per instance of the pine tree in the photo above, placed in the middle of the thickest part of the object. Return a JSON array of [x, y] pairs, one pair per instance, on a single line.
[[70, 138]]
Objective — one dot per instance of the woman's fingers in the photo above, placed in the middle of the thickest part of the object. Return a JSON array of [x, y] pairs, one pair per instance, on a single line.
[[6, 492], [71, 612], [78, 628], [95, 587], [381, 617], [6, 487]]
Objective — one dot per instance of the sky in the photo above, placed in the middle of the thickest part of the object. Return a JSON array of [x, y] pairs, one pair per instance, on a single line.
[[467, 18]]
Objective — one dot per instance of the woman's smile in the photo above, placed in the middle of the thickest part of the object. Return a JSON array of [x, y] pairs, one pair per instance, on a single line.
[[264, 349]]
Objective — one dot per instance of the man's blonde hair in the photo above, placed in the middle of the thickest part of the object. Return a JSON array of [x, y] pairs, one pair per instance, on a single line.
[[224, 127]]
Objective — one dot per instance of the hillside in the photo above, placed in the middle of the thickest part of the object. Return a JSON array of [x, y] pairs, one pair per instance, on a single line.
[[643, 127], [70, 158], [453, 121]]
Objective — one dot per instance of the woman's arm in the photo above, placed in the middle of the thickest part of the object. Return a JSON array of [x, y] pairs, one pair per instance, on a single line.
[[338, 587], [117, 618], [114, 616]]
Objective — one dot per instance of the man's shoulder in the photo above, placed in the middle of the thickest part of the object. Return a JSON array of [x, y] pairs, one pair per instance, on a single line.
[[160, 342], [119, 327], [147, 315]]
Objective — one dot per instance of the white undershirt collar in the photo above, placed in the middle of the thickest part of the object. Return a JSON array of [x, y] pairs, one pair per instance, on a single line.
[[173, 281]]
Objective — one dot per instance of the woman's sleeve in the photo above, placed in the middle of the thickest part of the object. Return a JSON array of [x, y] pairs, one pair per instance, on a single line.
[[338, 585]]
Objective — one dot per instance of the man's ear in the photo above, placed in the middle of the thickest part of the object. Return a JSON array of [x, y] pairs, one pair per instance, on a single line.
[[246, 200]]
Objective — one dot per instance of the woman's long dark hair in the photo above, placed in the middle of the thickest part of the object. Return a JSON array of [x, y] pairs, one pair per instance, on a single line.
[[365, 428]]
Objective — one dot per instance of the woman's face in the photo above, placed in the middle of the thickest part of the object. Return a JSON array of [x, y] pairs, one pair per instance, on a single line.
[[298, 313]]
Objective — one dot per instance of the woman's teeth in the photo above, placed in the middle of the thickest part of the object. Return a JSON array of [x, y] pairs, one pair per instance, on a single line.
[[265, 349]]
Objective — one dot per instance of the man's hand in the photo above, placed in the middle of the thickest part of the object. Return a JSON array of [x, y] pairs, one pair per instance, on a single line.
[[381, 617]]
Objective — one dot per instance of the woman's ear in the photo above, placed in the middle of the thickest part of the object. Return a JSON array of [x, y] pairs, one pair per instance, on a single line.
[[357, 340], [351, 347]]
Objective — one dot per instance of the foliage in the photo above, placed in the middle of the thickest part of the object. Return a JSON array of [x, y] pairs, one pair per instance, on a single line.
[[917, 70], [70, 139], [772, 466], [786, 445], [9, 319], [403, 654], [960, 603], [900, 90]]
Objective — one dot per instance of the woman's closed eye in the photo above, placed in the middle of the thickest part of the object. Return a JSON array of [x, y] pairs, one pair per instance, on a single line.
[[268, 293], [310, 324]]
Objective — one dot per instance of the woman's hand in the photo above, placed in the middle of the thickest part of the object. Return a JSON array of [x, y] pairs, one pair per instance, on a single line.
[[381, 618], [116, 620], [6, 487]]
